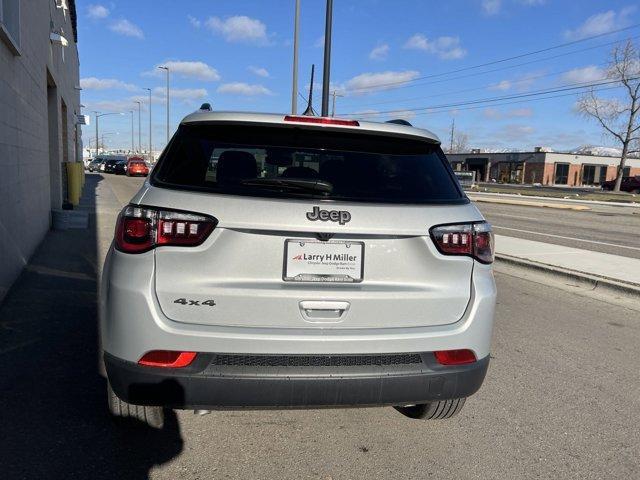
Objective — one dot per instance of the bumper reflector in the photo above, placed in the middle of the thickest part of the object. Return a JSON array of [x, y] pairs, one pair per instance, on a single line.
[[167, 359], [455, 357]]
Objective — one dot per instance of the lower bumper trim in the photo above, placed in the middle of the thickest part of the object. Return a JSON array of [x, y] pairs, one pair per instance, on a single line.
[[201, 387]]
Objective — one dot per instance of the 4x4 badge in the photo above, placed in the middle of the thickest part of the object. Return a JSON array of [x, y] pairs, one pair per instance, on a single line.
[[340, 216]]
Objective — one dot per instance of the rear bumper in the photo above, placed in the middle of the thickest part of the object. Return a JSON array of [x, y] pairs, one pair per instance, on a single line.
[[208, 385]]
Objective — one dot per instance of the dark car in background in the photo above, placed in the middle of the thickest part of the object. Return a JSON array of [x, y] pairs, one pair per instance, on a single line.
[[120, 168], [110, 165], [629, 184]]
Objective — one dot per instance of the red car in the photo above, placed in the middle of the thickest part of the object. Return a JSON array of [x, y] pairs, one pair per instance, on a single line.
[[137, 166], [629, 184]]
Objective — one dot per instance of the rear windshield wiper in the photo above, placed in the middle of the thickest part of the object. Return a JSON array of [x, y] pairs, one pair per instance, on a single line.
[[291, 184]]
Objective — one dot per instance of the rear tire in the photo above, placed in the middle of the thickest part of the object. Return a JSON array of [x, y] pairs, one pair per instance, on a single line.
[[133, 415], [438, 410]]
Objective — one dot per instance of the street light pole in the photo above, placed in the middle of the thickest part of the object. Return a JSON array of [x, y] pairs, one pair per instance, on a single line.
[[162, 67], [150, 144], [294, 87], [132, 144], [97, 142], [139, 125], [327, 59], [98, 115]]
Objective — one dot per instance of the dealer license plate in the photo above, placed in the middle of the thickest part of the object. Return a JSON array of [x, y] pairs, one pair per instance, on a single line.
[[315, 261]]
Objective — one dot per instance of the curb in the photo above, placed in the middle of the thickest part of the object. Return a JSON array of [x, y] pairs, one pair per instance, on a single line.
[[570, 200], [594, 282], [529, 203]]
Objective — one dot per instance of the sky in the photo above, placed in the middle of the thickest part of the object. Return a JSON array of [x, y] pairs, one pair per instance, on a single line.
[[412, 59]]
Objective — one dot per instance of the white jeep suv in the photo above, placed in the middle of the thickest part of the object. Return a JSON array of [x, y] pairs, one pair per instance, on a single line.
[[274, 261]]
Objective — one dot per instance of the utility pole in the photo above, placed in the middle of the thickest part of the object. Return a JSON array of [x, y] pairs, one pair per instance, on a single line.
[[150, 144], [167, 69], [139, 125], [294, 86], [326, 74], [333, 107], [453, 129]]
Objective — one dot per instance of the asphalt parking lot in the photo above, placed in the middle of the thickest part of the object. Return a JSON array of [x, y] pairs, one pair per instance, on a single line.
[[561, 399]]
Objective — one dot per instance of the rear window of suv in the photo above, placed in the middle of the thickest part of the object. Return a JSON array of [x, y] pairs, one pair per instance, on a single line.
[[293, 162]]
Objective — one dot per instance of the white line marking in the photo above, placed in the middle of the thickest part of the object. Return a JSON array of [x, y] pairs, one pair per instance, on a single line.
[[568, 238], [519, 217]]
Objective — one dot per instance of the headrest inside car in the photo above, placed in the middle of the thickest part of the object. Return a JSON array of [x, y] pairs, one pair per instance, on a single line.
[[236, 165]]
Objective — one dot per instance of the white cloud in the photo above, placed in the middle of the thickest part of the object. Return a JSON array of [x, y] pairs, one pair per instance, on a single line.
[[601, 23], [97, 11], [513, 133], [245, 89], [188, 69], [589, 73], [259, 71], [367, 113], [502, 85], [403, 114], [520, 112], [240, 28], [126, 28], [93, 83], [194, 21], [521, 83], [379, 81], [491, 7], [380, 52], [183, 94], [498, 114], [447, 48], [532, 3], [319, 43]]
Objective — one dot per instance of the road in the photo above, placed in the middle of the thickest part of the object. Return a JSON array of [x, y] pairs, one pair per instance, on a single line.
[[561, 398], [604, 228]]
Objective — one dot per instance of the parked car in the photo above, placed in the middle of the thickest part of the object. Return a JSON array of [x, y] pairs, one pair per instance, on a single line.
[[94, 165], [114, 165], [137, 166], [120, 168], [324, 263], [628, 184]]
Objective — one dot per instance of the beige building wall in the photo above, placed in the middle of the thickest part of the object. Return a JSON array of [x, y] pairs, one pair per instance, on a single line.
[[38, 97]]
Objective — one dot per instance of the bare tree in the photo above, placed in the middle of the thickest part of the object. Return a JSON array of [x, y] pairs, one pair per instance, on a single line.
[[618, 116], [458, 143]]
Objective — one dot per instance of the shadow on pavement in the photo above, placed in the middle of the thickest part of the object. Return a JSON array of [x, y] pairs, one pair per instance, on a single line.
[[53, 409]]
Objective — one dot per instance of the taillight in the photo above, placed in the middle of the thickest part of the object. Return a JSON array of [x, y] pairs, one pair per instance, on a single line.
[[139, 229], [167, 359], [470, 239], [455, 357]]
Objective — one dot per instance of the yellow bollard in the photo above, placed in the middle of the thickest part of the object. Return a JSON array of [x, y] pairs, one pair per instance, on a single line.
[[73, 183]]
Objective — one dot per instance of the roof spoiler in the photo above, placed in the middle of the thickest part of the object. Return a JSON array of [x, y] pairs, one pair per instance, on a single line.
[[399, 121]]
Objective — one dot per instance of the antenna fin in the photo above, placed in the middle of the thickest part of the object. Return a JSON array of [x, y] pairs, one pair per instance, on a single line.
[[309, 111]]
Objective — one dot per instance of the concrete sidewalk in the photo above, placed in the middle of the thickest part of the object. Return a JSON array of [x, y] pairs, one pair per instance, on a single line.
[[612, 267]]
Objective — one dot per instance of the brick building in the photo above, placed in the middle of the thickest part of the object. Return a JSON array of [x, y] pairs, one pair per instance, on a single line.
[[547, 168], [39, 104]]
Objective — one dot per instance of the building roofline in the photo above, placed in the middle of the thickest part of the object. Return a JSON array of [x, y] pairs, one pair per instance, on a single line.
[[541, 153]]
